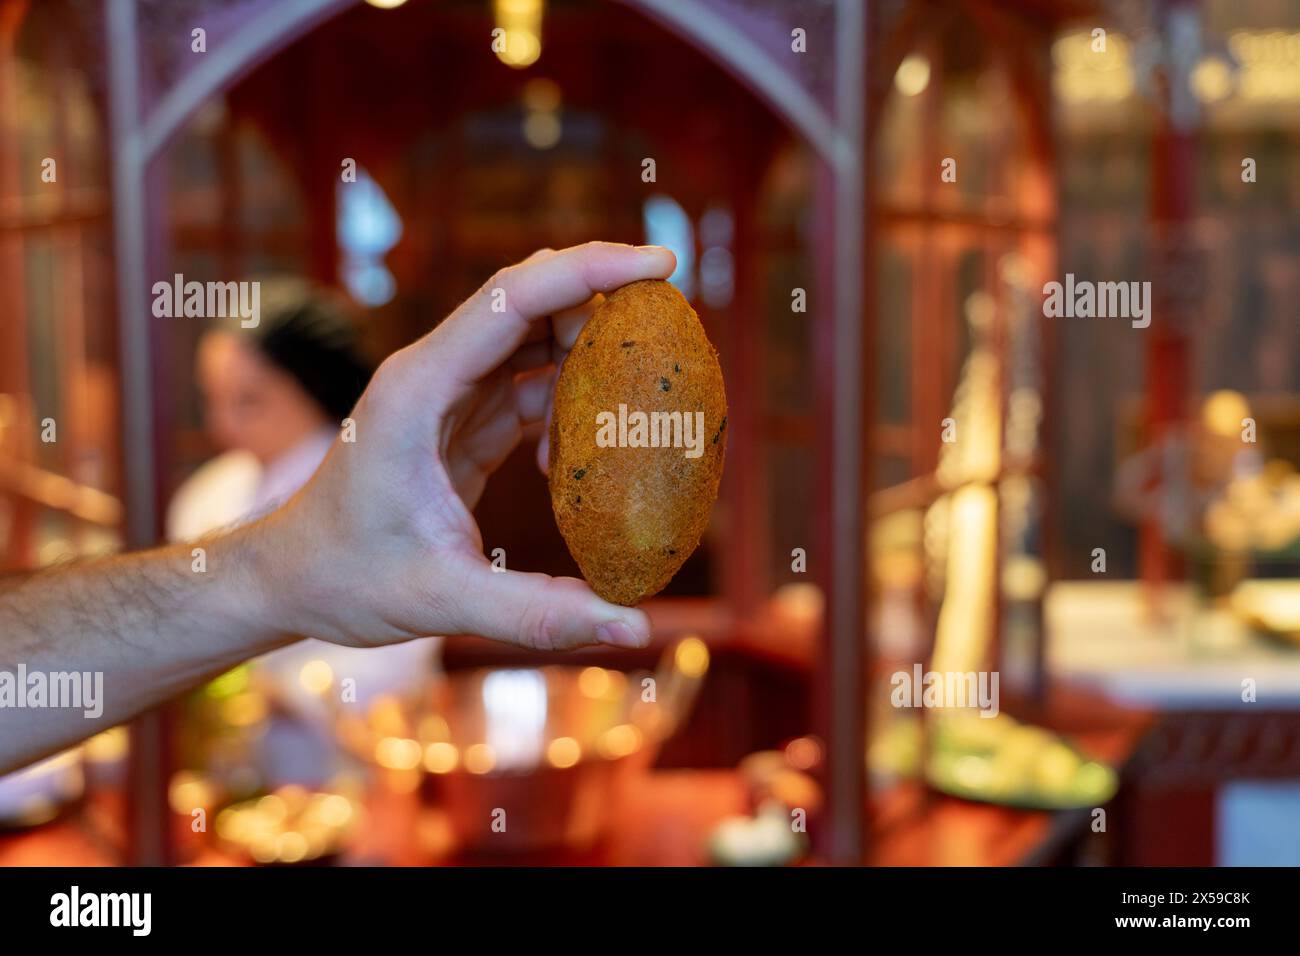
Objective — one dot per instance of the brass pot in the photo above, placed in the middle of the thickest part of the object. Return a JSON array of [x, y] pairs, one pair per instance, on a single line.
[[528, 759]]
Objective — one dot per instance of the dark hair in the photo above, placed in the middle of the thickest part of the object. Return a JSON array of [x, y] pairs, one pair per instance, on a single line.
[[307, 331]]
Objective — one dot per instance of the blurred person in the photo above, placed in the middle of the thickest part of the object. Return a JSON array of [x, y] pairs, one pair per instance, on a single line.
[[1179, 477], [274, 397], [378, 547]]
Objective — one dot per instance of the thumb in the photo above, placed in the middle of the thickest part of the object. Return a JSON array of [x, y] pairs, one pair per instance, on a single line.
[[491, 324], [545, 613]]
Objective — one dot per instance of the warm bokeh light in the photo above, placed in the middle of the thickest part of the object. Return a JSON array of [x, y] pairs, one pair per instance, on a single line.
[[913, 75], [1223, 412], [594, 682], [800, 602], [244, 710], [563, 752], [289, 826], [189, 791], [107, 747], [1211, 80], [316, 677], [803, 753], [273, 807], [398, 753], [1084, 74], [433, 727], [692, 657], [1270, 64], [335, 809], [387, 717], [522, 22], [619, 741], [441, 757], [541, 95], [291, 847], [542, 130], [480, 758]]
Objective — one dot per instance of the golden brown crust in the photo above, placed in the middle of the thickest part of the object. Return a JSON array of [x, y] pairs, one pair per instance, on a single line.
[[632, 515]]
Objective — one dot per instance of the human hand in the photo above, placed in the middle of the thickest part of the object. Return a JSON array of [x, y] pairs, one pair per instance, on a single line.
[[381, 546]]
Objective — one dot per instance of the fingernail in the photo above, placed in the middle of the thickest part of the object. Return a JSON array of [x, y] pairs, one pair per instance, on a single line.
[[654, 249], [618, 634]]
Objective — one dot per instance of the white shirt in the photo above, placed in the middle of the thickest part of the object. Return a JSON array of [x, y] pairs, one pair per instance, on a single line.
[[234, 488]]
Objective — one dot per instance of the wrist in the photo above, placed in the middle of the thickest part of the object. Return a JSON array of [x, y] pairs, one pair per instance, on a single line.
[[256, 594]]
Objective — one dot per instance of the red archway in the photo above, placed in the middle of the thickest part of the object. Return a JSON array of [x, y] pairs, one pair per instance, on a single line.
[[249, 34]]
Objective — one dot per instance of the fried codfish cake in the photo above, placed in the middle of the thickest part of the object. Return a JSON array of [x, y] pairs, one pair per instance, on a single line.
[[638, 436]]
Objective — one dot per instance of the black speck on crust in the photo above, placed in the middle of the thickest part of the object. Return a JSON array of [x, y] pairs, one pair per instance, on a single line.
[[627, 345], [676, 368], [664, 384], [577, 475]]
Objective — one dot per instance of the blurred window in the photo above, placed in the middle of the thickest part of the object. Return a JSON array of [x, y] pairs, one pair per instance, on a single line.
[[666, 224], [368, 226]]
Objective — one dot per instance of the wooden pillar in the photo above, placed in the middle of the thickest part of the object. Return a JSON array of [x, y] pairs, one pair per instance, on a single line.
[[150, 842], [13, 331], [841, 343], [1168, 354]]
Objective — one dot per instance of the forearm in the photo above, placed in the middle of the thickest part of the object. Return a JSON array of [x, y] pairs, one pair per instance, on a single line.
[[111, 638]]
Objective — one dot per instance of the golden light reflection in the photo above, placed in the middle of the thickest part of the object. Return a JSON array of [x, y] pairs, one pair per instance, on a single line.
[[480, 758], [803, 753], [107, 747], [541, 95], [441, 757], [692, 657], [288, 826], [335, 810], [188, 791], [563, 752], [273, 807], [594, 682], [387, 717], [1211, 79], [913, 75], [542, 123], [1084, 74], [316, 677], [619, 741], [542, 130], [1270, 64], [244, 710], [291, 847], [434, 728], [520, 43], [398, 753], [1223, 412]]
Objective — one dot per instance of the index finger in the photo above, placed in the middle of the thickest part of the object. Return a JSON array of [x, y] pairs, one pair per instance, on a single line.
[[490, 325]]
